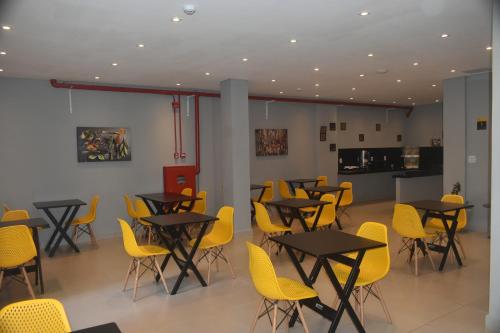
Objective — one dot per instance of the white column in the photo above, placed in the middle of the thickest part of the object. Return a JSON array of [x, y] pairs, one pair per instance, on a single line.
[[493, 317], [235, 161]]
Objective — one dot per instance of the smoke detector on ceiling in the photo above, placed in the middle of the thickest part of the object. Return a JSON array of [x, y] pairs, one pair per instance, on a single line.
[[189, 9]]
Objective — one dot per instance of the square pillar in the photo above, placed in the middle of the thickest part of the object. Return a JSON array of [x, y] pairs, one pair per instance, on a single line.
[[235, 161]]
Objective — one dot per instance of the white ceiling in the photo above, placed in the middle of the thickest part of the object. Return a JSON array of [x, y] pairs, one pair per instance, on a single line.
[[79, 39]]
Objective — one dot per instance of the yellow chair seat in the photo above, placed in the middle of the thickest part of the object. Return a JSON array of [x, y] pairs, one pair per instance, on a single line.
[[321, 223], [82, 220], [207, 242], [295, 290], [275, 228], [147, 224], [436, 225], [311, 210], [365, 276], [153, 250]]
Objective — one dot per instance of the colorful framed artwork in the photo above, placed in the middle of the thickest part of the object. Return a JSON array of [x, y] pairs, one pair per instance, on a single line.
[[271, 142], [103, 144]]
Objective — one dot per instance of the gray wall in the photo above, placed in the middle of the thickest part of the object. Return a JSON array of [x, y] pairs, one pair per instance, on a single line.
[[425, 123]]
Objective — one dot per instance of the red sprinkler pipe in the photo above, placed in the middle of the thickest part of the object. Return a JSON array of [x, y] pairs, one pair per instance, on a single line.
[[174, 108], [182, 153], [197, 131]]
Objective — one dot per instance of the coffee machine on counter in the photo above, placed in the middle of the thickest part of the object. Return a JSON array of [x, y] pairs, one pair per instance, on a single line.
[[411, 157]]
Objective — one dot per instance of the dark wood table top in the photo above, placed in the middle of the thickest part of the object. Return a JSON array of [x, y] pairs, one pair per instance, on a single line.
[[298, 203], [106, 328], [325, 189], [36, 222], [166, 197], [171, 220], [257, 187], [58, 203], [302, 180], [326, 242], [438, 206]]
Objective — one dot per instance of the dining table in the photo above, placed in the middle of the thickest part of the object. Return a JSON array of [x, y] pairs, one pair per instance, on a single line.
[[167, 202]]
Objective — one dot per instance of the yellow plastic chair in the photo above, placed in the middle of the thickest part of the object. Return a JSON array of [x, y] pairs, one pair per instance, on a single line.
[[83, 224], [212, 244], [139, 254], [131, 211], [34, 316], [327, 217], [200, 206], [347, 198], [322, 181], [300, 193], [142, 211], [268, 229], [284, 190], [406, 222], [374, 267], [15, 215], [187, 192], [436, 225], [268, 194], [274, 289], [16, 249]]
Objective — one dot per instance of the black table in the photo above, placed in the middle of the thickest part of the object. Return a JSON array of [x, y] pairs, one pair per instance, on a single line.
[[175, 226], [438, 209], [317, 191], [255, 187], [301, 182], [105, 328], [62, 225], [294, 206], [34, 224], [324, 246], [167, 202]]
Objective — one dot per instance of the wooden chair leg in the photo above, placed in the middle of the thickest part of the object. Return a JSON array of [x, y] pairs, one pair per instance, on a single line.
[[128, 273], [158, 268], [92, 235], [301, 316], [150, 233], [209, 264], [230, 267], [275, 314], [1, 278], [138, 263], [415, 253], [254, 324], [28, 283], [382, 302], [429, 255], [362, 305]]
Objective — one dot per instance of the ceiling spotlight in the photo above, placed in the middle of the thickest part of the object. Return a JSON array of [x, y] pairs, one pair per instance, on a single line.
[[413, 104], [445, 36], [364, 13], [114, 64], [434, 85], [3, 53], [140, 46], [374, 100], [282, 92], [293, 41], [370, 54], [317, 95], [207, 73], [394, 102], [178, 84], [1, 69], [409, 98], [244, 59], [316, 69], [351, 98], [353, 89], [437, 100], [97, 77], [416, 63], [176, 19], [6, 27], [489, 48], [273, 80], [299, 89], [398, 80], [453, 70], [316, 84], [361, 75]]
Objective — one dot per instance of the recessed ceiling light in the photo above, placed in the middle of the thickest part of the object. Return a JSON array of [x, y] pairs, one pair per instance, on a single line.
[[293, 41], [316, 84], [3, 52], [364, 13], [413, 104], [114, 64], [97, 77], [316, 69], [6, 27], [353, 89], [394, 102], [317, 95], [299, 89], [374, 100], [434, 85], [398, 80], [282, 92], [176, 19], [1, 69], [370, 54], [178, 84], [445, 36], [273, 80], [409, 98], [437, 100], [489, 48], [361, 75], [140, 46], [416, 63], [351, 98], [244, 59], [453, 70], [207, 73]]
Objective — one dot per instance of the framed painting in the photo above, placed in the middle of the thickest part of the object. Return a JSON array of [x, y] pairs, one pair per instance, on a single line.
[[271, 142], [103, 144]]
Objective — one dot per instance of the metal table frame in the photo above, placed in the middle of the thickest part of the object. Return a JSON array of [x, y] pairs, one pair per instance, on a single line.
[[328, 189], [160, 203]]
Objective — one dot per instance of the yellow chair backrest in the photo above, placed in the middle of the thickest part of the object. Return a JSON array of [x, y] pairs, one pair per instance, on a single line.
[[328, 213], [37, 315], [284, 189], [406, 222], [129, 241], [322, 181], [16, 246], [200, 206], [462, 216], [222, 231], [262, 273], [15, 215], [130, 207], [268, 192], [92, 213], [141, 209], [187, 192], [300, 193], [262, 218], [347, 196], [376, 261]]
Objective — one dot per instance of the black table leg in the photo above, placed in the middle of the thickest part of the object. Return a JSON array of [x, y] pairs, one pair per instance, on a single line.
[[450, 232], [38, 260], [56, 224], [63, 233], [337, 205], [171, 248]]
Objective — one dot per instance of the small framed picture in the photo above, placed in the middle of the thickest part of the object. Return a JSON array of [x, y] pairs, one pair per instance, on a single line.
[[333, 147], [333, 126], [361, 137], [378, 127], [343, 126], [399, 138]]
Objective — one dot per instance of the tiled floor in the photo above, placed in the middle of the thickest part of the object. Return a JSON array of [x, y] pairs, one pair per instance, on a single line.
[[89, 284]]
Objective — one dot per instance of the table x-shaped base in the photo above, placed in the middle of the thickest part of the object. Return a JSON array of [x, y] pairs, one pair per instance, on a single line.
[[61, 228]]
